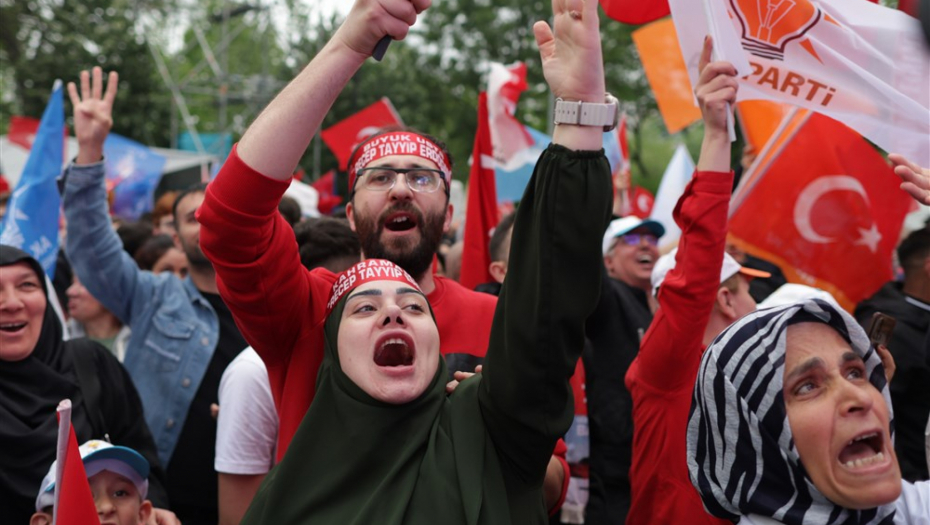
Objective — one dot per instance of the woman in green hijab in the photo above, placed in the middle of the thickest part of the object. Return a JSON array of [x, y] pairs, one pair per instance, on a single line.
[[382, 442]]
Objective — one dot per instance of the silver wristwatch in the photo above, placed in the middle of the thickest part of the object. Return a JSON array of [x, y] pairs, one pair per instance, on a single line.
[[580, 113]]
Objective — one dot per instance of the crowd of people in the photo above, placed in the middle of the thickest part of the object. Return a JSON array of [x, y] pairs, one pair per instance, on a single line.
[[229, 361]]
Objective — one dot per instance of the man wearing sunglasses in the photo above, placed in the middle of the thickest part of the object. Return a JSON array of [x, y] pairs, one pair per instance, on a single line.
[[630, 249]]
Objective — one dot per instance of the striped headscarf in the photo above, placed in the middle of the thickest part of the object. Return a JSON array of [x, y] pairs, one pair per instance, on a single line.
[[741, 453]]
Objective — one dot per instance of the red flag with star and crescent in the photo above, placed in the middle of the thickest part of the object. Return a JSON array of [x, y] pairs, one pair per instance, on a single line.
[[343, 136], [828, 210]]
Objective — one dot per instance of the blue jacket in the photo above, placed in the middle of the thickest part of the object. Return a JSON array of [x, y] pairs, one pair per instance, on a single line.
[[174, 329]]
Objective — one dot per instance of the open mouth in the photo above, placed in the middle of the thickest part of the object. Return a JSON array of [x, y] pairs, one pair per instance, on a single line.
[[12, 327], [863, 450], [394, 351], [400, 222], [644, 258]]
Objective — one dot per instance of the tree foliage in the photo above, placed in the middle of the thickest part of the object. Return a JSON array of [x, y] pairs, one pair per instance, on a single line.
[[44, 40]]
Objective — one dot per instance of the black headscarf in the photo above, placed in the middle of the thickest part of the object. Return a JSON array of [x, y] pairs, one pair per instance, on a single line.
[[356, 460], [30, 390]]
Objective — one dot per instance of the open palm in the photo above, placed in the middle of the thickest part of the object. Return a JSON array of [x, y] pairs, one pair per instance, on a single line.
[[93, 108]]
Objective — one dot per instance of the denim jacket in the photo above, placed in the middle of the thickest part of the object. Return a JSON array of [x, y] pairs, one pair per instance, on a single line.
[[174, 328]]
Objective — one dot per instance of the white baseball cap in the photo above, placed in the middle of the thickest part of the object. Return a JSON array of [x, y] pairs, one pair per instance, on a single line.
[[98, 456], [623, 226], [729, 269]]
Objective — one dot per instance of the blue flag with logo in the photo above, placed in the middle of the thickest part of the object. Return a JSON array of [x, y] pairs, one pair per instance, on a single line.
[[31, 220], [134, 171]]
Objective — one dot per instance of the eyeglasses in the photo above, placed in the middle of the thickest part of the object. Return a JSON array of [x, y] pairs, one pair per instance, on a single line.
[[635, 239], [422, 180]]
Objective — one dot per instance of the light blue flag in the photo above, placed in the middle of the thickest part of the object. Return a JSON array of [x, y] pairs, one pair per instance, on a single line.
[[134, 170], [512, 178], [31, 220]]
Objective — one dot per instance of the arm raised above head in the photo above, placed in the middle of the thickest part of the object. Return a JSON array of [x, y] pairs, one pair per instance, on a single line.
[[277, 139], [555, 258]]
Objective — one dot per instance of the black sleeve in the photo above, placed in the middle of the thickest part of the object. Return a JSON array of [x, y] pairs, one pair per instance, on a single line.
[[125, 421], [538, 331]]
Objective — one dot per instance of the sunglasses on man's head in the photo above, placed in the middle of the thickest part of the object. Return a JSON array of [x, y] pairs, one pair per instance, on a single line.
[[634, 239]]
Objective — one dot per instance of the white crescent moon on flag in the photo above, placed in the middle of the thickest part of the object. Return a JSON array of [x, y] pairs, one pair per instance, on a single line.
[[366, 132], [812, 193]]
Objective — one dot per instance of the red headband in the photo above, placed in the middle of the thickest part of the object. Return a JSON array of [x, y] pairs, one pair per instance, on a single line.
[[398, 143], [366, 272]]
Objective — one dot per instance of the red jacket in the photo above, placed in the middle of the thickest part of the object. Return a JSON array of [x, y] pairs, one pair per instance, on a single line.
[[661, 377]]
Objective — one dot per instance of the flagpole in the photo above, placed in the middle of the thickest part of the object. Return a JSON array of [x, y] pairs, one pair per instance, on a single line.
[[752, 175], [712, 23], [64, 429]]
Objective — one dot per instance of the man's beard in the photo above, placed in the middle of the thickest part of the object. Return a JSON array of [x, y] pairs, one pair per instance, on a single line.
[[195, 256], [414, 257]]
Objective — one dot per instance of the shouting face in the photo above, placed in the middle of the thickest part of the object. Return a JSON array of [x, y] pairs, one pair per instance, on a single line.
[[388, 342], [400, 224], [840, 421]]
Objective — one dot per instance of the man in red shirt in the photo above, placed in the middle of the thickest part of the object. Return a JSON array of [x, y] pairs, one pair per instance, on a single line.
[[399, 220], [699, 295]]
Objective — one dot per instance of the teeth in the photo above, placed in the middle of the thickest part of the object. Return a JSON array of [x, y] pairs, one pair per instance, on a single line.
[[12, 325], [861, 438], [394, 341], [865, 461]]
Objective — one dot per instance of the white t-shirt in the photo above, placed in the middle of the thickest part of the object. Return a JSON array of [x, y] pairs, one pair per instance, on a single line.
[[913, 507], [247, 426]]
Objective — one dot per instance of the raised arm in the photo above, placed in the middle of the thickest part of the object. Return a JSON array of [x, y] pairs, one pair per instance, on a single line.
[[277, 139], [94, 249], [687, 295], [538, 330]]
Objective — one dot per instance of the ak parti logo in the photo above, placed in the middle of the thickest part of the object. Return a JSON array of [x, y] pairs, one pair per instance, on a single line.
[[769, 25]]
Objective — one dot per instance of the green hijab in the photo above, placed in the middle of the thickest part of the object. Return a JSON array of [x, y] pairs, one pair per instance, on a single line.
[[357, 460]]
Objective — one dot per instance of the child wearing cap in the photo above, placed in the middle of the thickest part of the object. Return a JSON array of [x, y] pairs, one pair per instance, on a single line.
[[118, 478]]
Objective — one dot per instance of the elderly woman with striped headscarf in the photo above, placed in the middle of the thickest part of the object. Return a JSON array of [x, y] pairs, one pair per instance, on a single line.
[[791, 422]]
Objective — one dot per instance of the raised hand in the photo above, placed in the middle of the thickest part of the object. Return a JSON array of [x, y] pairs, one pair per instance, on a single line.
[[571, 57], [370, 20], [716, 88], [916, 179], [93, 113]]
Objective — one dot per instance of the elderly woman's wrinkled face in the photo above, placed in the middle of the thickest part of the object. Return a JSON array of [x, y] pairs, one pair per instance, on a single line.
[[839, 420], [388, 341], [22, 309]]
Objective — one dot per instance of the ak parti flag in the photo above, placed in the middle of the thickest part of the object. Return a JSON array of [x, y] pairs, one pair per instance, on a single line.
[[343, 136], [481, 215], [860, 63], [657, 44], [635, 11], [74, 502], [759, 120], [827, 209]]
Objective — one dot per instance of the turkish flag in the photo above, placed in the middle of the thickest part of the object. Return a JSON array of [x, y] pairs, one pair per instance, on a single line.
[[641, 202], [827, 209], [508, 136], [481, 215], [343, 136], [74, 500], [23, 131], [326, 187], [635, 11]]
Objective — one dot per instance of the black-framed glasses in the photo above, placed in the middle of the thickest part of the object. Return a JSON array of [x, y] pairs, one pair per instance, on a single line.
[[422, 180], [634, 239]]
